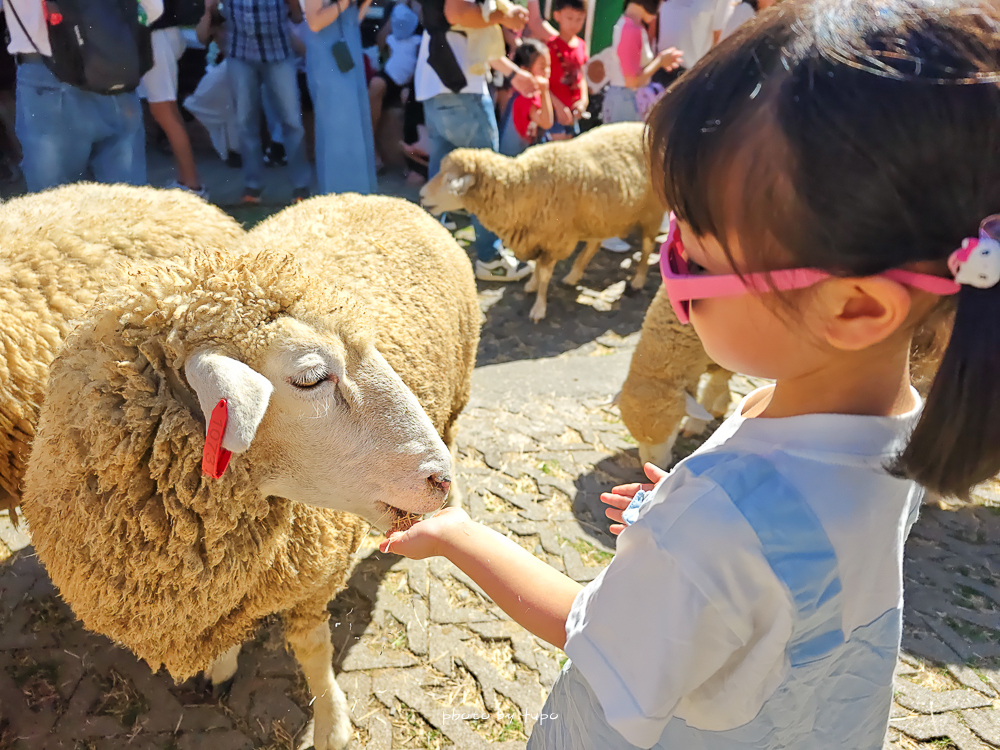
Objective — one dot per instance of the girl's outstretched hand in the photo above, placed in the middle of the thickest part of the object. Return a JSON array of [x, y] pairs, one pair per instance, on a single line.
[[427, 538], [621, 496]]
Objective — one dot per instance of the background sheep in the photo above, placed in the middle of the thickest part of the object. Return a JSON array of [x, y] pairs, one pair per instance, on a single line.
[[555, 195], [668, 363], [59, 249], [662, 383], [181, 568]]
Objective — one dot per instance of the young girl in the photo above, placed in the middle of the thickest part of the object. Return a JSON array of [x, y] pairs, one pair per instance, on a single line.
[[634, 63], [831, 193], [526, 116]]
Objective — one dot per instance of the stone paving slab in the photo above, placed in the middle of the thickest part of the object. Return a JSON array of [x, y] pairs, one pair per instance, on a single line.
[[419, 649]]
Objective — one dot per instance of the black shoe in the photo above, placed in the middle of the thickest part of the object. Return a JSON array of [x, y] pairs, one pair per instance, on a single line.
[[234, 160], [274, 155], [300, 194]]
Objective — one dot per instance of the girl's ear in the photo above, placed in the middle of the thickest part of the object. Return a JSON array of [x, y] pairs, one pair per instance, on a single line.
[[861, 312]]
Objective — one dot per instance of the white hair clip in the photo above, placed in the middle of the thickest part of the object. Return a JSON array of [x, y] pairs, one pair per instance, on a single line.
[[978, 262]]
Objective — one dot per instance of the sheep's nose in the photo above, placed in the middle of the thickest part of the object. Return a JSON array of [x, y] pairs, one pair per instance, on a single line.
[[440, 482]]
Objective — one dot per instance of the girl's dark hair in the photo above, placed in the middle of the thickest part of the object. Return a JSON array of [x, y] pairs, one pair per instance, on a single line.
[[529, 51], [650, 6], [857, 136]]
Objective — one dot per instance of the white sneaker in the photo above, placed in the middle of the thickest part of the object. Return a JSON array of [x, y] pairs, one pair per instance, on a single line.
[[665, 224], [200, 192], [616, 245], [504, 268]]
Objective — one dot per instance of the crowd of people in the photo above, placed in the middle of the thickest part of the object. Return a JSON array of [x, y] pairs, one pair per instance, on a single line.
[[467, 74]]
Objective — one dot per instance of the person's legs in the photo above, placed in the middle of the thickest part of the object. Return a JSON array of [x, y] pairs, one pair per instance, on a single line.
[[159, 86], [376, 93], [246, 81], [54, 142], [121, 155], [281, 80]]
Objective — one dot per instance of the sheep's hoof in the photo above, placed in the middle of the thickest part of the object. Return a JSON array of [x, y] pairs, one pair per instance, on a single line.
[[221, 690], [537, 312], [570, 280], [321, 737], [631, 291]]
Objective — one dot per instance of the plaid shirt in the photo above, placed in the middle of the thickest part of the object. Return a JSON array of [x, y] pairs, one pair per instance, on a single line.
[[257, 30]]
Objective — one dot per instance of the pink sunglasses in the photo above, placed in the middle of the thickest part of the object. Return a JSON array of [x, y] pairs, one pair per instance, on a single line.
[[683, 287]]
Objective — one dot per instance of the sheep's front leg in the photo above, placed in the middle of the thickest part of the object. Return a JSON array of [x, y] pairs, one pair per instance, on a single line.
[[223, 668], [581, 263], [314, 652], [639, 280], [543, 274]]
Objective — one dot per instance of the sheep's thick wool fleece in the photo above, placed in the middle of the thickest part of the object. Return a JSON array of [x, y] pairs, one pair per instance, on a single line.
[[59, 248], [176, 566], [667, 364], [411, 277], [555, 195]]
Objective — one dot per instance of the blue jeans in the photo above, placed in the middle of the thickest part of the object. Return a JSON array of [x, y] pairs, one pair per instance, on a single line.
[[280, 79], [463, 121], [64, 130]]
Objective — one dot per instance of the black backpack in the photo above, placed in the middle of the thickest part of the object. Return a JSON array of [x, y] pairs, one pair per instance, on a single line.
[[97, 45], [440, 55]]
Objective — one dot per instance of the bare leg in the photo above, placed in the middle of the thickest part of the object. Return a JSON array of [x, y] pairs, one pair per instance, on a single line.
[[376, 95], [581, 262], [543, 274], [168, 117], [531, 284], [639, 280], [314, 652]]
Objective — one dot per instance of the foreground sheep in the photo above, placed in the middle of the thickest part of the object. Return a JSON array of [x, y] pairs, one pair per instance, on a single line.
[[180, 568], [662, 381], [59, 248], [554, 196]]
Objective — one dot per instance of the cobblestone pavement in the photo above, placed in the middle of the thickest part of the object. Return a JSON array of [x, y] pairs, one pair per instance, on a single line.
[[418, 645]]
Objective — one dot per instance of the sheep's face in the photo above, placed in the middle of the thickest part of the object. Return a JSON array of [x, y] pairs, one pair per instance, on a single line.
[[338, 428], [446, 192]]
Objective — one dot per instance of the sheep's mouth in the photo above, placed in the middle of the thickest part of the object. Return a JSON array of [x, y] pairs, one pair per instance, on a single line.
[[397, 519]]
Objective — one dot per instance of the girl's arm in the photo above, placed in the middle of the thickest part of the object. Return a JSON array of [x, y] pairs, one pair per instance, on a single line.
[[543, 116], [362, 9], [669, 59], [204, 28], [294, 10], [535, 595], [319, 17]]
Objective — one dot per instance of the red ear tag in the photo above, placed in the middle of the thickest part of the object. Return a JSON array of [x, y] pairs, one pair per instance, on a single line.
[[215, 459]]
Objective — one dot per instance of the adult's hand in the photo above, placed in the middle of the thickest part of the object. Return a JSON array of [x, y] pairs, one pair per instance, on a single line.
[[516, 19], [524, 83]]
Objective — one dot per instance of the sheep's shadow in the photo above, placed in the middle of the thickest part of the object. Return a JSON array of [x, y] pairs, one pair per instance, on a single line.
[[601, 303], [58, 680]]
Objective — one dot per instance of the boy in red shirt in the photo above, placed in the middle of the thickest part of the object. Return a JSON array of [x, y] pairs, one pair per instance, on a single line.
[[569, 56]]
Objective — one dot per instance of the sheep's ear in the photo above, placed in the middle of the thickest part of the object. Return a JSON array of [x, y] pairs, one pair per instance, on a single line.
[[696, 410], [460, 185], [214, 377]]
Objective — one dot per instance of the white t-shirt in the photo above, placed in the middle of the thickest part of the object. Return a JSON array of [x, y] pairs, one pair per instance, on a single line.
[[30, 13], [742, 13], [688, 25], [426, 83], [402, 60], [690, 620]]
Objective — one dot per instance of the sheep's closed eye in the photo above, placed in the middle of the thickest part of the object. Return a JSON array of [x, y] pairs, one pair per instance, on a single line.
[[309, 380]]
